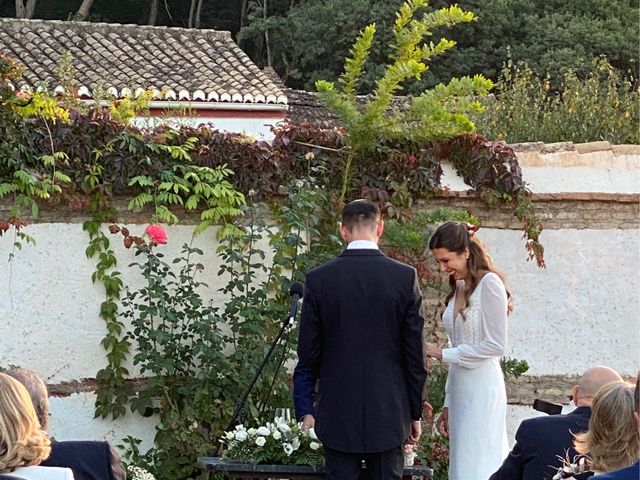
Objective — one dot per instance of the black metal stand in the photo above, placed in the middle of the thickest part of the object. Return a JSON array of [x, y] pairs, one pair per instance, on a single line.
[[241, 403]]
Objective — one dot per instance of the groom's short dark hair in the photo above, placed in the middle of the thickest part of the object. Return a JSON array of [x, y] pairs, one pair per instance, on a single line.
[[360, 212]]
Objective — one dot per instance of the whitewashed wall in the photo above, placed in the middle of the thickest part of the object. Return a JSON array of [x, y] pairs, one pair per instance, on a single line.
[[583, 310]]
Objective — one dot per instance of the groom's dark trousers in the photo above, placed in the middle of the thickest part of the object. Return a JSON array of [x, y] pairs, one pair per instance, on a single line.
[[361, 334]]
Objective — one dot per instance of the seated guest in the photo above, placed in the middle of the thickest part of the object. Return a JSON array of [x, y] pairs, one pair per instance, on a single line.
[[632, 472], [542, 442], [612, 441], [23, 444], [88, 460]]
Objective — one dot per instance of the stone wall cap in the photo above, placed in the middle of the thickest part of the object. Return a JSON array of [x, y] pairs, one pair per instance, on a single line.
[[526, 147], [590, 147], [629, 149], [558, 147]]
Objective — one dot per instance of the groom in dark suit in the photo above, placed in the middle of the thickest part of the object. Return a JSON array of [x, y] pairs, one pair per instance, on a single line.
[[361, 335]]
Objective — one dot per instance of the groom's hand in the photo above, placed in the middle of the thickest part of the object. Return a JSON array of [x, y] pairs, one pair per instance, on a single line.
[[308, 421], [416, 431]]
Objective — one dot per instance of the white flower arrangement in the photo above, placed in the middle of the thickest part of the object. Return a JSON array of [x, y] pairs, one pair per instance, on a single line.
[[278, 442], [138, 473]]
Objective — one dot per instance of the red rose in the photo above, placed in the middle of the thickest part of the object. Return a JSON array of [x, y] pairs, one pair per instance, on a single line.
[[156, 233]]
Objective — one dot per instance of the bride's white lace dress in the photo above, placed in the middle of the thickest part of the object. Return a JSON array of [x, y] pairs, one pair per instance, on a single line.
[[475, 391]]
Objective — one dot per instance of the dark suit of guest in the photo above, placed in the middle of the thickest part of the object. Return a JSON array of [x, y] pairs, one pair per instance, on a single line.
[[361, 334], [632, 472], [88, 460], [541, 443]]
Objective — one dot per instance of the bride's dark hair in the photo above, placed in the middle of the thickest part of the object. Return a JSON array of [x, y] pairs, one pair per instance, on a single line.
[[456, 237]]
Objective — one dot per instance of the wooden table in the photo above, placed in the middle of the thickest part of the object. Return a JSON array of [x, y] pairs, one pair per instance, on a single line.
[[235, 470]]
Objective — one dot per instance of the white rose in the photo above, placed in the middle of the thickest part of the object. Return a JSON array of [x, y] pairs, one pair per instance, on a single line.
[[239, 427], [288, 449], [252, 431], [260, 441], [241, 435], [283, 427], [312, 434], [230, 435], [264, 431], [314, 445], [277, 435]]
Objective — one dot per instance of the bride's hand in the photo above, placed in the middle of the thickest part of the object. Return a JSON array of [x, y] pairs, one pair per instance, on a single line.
[[433, 350], [443, 422]]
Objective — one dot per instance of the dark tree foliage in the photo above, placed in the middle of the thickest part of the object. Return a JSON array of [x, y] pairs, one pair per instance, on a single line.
[[308, 39], [549, 36]]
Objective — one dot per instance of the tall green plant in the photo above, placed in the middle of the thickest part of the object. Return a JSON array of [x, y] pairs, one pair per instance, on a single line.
[[435, 114], [199, 358], [602, 105]]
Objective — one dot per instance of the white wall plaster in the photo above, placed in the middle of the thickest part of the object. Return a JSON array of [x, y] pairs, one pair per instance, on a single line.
[[72, 419], [258, 128], [583, 309], [599, 171]]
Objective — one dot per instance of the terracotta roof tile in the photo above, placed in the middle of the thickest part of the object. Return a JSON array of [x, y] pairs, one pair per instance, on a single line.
[[174, 62]]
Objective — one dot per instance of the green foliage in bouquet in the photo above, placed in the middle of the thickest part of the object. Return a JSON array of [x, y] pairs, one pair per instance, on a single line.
[[278, 442]]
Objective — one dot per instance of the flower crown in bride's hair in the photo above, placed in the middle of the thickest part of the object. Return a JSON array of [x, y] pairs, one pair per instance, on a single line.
[[472, 229]]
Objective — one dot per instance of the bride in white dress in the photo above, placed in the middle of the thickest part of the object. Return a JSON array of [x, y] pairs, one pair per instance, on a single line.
[[474, 414]]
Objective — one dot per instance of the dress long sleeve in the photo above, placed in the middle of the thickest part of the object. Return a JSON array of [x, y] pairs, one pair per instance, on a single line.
[[493, 304]]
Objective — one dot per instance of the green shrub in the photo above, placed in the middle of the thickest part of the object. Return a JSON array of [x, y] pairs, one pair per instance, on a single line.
[[528, 108]]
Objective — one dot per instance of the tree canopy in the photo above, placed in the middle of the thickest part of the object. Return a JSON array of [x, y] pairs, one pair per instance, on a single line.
[[306, 40]]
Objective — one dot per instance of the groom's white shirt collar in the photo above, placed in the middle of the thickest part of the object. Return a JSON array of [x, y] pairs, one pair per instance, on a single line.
[[362, 245]]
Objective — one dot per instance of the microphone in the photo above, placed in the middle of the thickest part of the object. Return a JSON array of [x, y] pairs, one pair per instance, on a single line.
[[297, 292]]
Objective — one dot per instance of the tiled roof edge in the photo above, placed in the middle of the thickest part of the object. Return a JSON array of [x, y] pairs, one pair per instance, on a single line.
[[222, 34]]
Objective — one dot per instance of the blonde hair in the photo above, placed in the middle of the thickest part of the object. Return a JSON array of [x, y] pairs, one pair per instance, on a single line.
[[612, 440], [22, 441]]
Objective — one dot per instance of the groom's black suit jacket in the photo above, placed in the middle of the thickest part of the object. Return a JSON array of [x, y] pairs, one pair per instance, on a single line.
[[361, 333], [541, 443]]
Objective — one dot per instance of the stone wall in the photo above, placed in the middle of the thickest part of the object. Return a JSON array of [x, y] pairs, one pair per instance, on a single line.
[[582, 310]]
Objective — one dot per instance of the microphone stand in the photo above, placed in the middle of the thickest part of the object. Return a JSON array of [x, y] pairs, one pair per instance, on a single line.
[[285, 324]]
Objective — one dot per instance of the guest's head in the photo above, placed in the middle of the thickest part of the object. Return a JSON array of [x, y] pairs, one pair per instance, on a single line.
[[612, 441], [37, 391], [361, 221], [22, 441], [458, 252], [591, 381]]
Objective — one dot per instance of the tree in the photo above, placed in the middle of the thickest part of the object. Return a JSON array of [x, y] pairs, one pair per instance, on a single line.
[[153, 12], [308, 39], [25, 8], [83, 12], [436, 114], [195, 10]]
